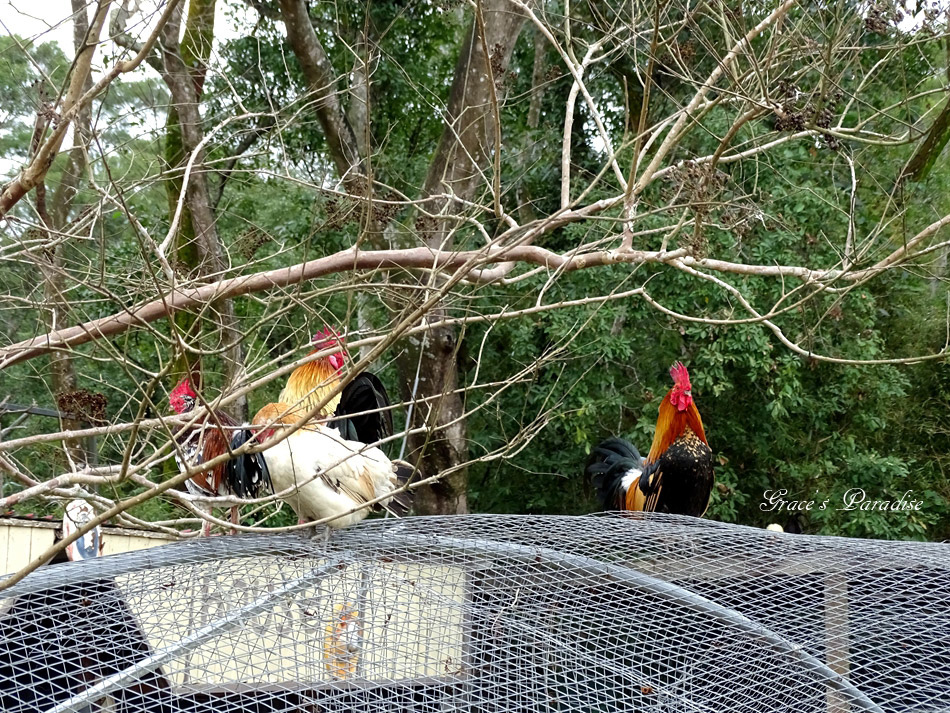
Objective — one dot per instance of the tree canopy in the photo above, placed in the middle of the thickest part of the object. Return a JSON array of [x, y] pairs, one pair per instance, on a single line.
[[519, 212]]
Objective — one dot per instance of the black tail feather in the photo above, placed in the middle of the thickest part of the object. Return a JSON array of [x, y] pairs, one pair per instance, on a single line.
[[365, 393], [402, 501], [247, 474], [609, 462]]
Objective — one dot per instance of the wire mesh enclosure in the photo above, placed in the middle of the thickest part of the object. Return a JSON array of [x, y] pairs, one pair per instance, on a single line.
[[488, 613]]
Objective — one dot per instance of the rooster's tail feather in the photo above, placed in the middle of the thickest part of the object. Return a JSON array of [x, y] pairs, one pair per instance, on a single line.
[[402, 500], [365, 393], [247, 474], [613, 467]]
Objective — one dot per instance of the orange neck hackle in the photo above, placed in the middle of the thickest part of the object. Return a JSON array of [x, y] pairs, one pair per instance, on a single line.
[[671, 424], [311, 383], [273, 417], [677, 413]]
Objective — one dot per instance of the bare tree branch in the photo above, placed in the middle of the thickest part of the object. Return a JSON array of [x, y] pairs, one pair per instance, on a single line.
[[325, 86], [420, 259], [74, 102]]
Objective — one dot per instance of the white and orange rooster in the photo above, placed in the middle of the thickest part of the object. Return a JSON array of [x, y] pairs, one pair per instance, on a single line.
[[325, 468]]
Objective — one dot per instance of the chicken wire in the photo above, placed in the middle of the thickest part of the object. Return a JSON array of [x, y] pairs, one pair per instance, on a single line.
[[487, 613]]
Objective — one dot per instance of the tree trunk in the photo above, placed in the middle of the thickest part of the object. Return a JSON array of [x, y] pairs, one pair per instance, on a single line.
[[53, 263], [427, 368], [322, 82], [198, 248], [465, 148], [929, 150], [538, 87]]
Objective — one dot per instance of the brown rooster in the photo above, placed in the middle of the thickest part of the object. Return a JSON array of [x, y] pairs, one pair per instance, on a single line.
[[214, 434]]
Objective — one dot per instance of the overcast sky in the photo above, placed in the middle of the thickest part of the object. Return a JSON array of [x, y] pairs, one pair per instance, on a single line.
[[40, 20], [51, 20]]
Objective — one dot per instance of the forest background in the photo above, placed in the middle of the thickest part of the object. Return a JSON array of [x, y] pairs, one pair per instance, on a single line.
[[552, 201]]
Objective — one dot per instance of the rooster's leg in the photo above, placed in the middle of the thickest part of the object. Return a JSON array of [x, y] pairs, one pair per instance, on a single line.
[[316, 529], [317, 534], [206, 526], [235, 517]]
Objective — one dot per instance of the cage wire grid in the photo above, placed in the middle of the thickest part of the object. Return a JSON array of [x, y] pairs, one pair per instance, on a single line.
[[487, 613]]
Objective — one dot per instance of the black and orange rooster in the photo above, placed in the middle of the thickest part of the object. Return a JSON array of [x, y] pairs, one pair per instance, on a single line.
[[326, 467], [677, 475], [214, 434]]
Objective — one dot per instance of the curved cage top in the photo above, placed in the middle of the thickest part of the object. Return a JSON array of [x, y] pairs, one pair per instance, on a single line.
[[488, 613]]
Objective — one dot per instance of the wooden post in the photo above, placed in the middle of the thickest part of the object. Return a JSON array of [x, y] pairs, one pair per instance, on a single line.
[[837, 637]]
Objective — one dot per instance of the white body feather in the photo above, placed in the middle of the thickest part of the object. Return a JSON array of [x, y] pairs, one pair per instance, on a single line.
[[630, 478], [329, 474]]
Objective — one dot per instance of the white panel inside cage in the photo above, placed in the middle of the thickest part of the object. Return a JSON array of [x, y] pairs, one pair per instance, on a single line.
[[20, 543], [368, 621]]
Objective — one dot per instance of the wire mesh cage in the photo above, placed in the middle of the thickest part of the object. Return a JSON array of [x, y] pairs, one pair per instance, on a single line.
[[488, 613]]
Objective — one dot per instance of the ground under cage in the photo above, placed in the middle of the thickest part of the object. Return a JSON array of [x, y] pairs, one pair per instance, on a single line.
[[487, 613]]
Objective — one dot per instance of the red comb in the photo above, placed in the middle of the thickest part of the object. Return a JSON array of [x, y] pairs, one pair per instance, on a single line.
[[329, 338], [326, 337], [680, 376], [183, 389]]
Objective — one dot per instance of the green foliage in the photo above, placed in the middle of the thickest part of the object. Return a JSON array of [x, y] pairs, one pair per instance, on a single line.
[[24, 88], [776, 419]]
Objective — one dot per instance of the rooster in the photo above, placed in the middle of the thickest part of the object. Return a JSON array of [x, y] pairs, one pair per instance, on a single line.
[[360, 412], [326, 474], [677, 474], [214, 434], [325, 464]]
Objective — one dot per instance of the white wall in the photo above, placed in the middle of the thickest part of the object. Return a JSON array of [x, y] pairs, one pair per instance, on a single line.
[[22, 540]]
